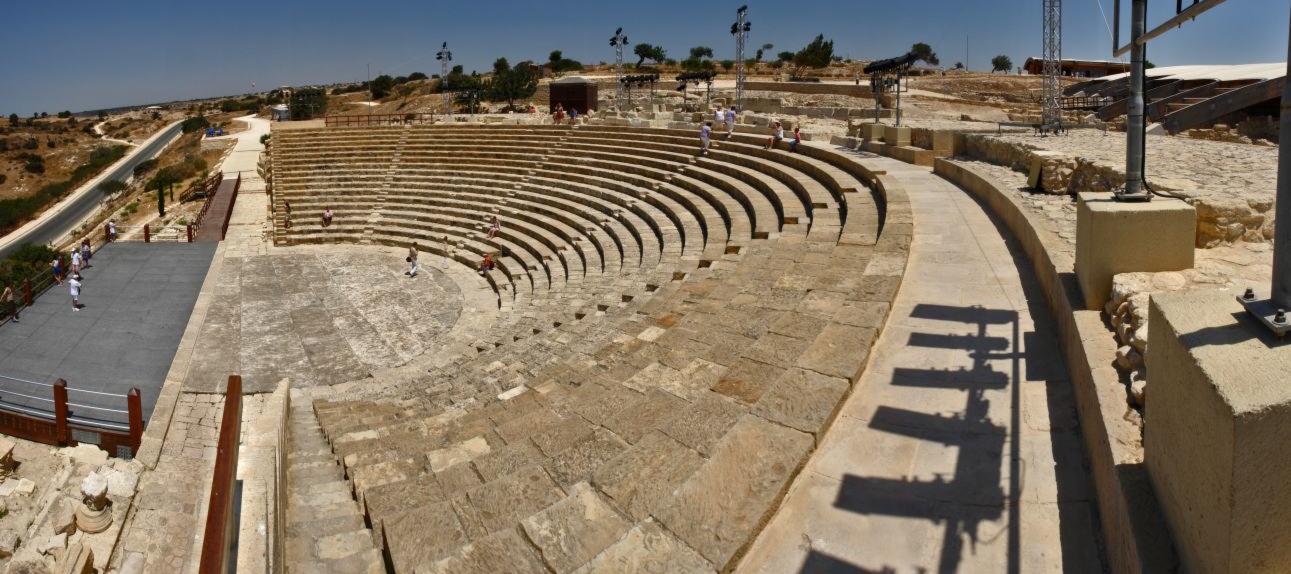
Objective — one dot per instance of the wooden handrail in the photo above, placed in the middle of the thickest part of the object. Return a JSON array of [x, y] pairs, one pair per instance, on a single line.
[[219, 512]]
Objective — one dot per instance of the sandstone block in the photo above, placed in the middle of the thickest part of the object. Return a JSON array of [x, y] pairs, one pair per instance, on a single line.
[[647, 549], [802, 399], [642, 478], [573, 531], [422, 535], [719, 509], [1120, 237], [503, 551]]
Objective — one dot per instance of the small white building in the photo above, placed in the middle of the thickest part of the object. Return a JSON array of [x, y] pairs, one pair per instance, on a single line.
[[280, 112]]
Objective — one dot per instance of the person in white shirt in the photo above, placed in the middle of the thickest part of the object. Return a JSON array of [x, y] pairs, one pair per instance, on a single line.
[[74, 286], [412, 266], [730, 122], [719, 115], [776, 136], [76, 261]]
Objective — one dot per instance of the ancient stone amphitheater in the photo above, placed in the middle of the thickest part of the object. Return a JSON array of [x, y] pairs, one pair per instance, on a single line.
[[673, 335]]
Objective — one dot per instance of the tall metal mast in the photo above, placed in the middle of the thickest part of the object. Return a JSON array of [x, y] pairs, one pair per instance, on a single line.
[[619, 41], [444, 57], [740, 29], [1052, 56]]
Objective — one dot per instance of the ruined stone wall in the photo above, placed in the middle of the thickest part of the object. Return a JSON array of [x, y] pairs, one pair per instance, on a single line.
[[1221, 217]]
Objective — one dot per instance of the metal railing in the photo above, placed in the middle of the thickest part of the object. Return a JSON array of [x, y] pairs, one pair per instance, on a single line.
[[379, 119], [53, 419]]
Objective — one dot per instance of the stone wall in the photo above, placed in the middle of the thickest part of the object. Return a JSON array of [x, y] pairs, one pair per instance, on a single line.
[[861, 91], [1221, 218]]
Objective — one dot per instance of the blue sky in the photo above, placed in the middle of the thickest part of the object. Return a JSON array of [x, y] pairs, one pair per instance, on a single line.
[[78, 55]]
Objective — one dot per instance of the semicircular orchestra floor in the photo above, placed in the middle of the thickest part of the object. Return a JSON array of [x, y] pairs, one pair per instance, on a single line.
[[324, 315]]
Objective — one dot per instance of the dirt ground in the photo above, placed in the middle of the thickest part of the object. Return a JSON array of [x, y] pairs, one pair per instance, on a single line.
[[71, 148]]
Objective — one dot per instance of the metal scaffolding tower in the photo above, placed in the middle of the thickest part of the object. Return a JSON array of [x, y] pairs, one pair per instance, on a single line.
[[1052, 56], [619, 41], [740, 29], [444, 57]]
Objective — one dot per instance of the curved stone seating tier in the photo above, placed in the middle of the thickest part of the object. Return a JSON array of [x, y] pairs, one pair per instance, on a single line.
[[677, 332]]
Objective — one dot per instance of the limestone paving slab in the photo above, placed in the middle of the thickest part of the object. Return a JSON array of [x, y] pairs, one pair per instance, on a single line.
[[955, 451]]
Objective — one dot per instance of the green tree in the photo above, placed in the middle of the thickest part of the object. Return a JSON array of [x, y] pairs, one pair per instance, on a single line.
[[649, 52], [1001, 63], [103, 115], [699, 59], [727, 64], [512, 83], [65, 114], [307, 103], [560, 64], [701, 52], [13, 120], [765, 48], [381, 86], [1148, 65], [816, 54], [469, 90], [785, 56], [193, 124], [112, 186], [415, 76], [924, 52]]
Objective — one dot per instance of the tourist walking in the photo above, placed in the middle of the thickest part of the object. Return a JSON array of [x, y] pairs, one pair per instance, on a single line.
[[797, 139], [411, 259], [494, 227], [57, 266], [730, 121], [286, 220], [9, 302], [705, 133], [719, 116], [112, 230], [76, 261], [86, 252], [777, 135], [573, 116], [74, 287]]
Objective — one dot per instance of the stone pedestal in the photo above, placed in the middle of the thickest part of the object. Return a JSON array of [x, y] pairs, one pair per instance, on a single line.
[[943, 143], [1122, 237], [897, 136], [872, 132], [93, 515], [1216, 433]]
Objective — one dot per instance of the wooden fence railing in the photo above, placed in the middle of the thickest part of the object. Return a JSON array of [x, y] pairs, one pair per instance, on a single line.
[[379, 119], [221, 526], [60, 422]]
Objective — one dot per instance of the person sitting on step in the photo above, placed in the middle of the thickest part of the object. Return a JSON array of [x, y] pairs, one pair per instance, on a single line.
[[327, 217]]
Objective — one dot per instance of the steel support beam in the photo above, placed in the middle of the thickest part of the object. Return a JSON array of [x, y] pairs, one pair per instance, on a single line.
[[1134, 126]]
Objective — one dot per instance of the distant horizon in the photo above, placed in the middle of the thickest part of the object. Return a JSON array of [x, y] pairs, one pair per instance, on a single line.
[[67, 63]]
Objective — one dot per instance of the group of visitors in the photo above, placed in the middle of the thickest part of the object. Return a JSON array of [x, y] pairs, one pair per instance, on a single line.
[[486, 265], [726, 117], [558, 115], [79, 259]]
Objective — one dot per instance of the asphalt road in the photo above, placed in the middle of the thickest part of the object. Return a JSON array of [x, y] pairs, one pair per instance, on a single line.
[[65, 217]]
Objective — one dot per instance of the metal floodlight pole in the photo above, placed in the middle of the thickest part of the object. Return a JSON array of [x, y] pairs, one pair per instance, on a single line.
[[444, 56], [1051, 114], [740, 29], [1134, 126], [898, 99], [619, 41], [1281, 292]]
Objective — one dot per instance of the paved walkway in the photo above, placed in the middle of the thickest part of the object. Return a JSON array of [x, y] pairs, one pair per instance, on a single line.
[[958, 450], [137, 298]]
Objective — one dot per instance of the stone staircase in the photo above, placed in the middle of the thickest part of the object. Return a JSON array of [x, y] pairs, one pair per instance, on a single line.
[[325, 529]]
